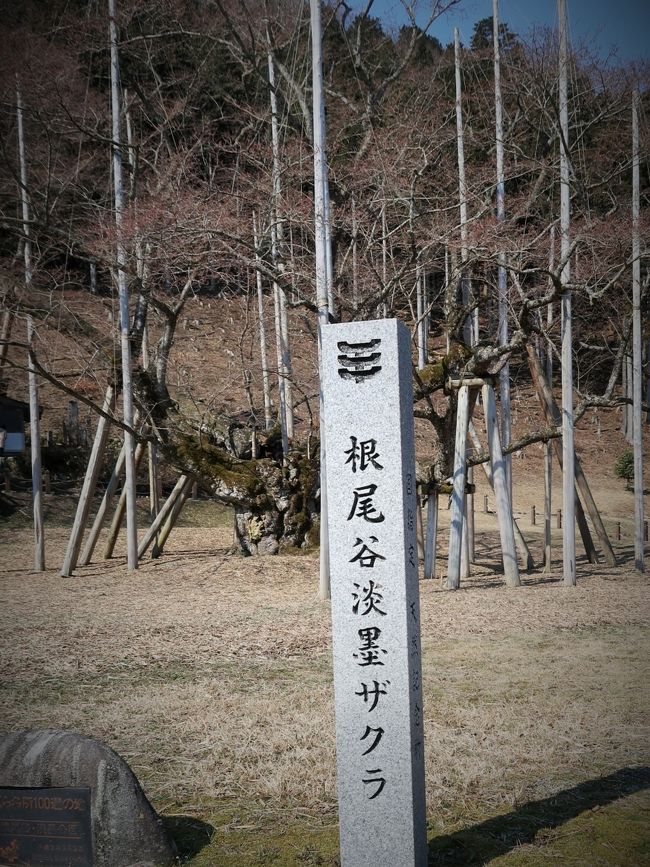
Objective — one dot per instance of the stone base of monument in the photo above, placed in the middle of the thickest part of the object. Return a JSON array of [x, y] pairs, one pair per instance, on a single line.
[[43, 773]]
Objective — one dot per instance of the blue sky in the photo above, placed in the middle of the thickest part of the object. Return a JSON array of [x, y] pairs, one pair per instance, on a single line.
[[622, 26]]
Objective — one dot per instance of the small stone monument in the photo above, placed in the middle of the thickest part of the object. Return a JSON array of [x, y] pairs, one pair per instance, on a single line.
[[370, 466], [68, 799]]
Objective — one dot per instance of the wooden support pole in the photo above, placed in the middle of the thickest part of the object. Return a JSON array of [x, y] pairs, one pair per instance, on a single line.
[[465, 569], [548, 448], [469, 500], [419, 529], [323, 259], [637, 429], [552, 413], [34, 410], [522, 545], [89, 486], [5, 334], [568, 450], [266, 389], [118, 517], [163, 514], [172, 517], [458, 491], [102, 512], [503, 507], [123, 291], [431, 537], [154, 480], [502, 278]]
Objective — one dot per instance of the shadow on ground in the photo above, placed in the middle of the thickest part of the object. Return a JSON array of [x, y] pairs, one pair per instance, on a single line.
[[190, 834], [498, 836]]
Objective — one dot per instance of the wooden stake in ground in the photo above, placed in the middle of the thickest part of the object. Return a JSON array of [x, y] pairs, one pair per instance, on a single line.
[[172, 517], [127, 385], [34, 421], [522, 545], [102, 512], [552, 413], [636, 344], [568, 451], [458, 493], [89, 486], [164, 513], [118, 517], [504, 508], [431, 535]]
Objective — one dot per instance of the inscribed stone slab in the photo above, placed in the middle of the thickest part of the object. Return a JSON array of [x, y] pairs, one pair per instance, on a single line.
[[370, 466]]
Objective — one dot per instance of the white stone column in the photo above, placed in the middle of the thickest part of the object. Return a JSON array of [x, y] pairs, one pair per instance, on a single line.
[[375, 602]]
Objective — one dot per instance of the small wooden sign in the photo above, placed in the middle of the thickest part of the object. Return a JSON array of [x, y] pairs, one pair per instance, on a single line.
[[45, 827]]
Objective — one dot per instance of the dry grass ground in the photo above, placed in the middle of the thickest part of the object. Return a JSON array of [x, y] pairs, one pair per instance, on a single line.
[[211, 675]]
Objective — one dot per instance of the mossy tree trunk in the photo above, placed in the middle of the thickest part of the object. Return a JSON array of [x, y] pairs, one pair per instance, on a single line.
[[276, 504]]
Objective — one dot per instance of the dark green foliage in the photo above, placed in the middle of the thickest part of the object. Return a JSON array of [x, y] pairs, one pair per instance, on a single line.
[[482, 37], [624, 467]]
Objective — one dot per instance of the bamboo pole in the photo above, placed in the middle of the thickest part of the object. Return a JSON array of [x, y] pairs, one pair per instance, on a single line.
[[503, 506], [323, 272], [34, 419], [89, 486], [639, 563], [568, 450]]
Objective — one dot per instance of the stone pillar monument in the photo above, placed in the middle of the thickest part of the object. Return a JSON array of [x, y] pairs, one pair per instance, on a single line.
[[368, 408]]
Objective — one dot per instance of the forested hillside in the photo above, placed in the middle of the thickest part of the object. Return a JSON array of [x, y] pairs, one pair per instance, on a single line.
[[217, 211]]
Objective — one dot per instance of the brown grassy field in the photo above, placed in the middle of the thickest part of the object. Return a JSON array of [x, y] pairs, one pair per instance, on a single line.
[[211, 675]]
